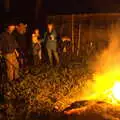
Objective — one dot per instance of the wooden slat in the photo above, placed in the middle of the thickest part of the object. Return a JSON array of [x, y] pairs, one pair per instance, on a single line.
[[88, 16], [92, 14]]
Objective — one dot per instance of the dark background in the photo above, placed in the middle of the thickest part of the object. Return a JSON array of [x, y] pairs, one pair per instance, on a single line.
[[25, 9]]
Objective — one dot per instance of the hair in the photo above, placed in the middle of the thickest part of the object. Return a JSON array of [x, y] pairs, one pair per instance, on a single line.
[[52, 28], [51, 24], [35, 30]]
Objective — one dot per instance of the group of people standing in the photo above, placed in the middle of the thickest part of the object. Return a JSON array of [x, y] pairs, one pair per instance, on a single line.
[[50, 39], [11, 49], [14, 47]]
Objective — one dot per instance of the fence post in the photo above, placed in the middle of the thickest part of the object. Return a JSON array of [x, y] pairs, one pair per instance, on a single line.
[[73, 33], [79, 36], [7, 5], [37, 7]]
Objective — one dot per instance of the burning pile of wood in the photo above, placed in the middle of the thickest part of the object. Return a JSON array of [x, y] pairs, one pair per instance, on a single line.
[[93, 110]]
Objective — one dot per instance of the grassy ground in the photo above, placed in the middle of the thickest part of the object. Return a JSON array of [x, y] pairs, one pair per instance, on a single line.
[[45, 89]]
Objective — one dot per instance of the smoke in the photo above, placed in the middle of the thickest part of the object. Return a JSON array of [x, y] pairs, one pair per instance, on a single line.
[[106, 69], [109, 59], [106, 66]]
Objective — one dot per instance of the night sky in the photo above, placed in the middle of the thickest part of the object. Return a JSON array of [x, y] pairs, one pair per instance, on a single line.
[[82, 6], [26, 8], [67, 6]]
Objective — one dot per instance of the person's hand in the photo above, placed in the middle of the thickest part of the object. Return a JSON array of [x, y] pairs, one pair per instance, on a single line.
[[52, 37], [17, 53], [0, 54]]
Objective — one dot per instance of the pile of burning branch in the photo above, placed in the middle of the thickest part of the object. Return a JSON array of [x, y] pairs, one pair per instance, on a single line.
[[104, 101]]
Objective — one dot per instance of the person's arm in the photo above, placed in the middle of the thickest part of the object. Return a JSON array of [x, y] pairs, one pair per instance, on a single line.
[[1, 43], [0, 53], [17, 53], [44, 38], [16, 47], [33, 38]]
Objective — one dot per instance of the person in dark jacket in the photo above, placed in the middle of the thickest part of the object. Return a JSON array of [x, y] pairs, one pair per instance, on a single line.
[[8, 48], [22, 42], [51, 44]]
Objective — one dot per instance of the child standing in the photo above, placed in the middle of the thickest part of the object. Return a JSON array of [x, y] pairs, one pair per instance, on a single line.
[[36, 44]]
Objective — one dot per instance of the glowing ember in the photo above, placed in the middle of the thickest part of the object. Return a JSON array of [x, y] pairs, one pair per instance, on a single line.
[[116, 90]]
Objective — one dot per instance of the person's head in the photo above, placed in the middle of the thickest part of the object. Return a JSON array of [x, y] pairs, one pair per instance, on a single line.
[[11, 28], [36, 31], [50, 27], [21, 28], [10, 25]]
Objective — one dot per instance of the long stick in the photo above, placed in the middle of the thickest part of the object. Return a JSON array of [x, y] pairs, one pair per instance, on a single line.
[[78, 49]]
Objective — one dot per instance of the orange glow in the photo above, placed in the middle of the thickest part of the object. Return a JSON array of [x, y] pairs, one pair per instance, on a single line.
[[107, 87], [116, 90]]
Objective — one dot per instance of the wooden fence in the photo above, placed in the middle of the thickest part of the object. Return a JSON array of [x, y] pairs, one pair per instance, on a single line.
[[88, 32]]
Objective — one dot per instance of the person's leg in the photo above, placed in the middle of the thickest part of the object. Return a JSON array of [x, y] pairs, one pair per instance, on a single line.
[[15, 67], [50, 56], [25, 59], [44, 54], [35, 59], [40, 54], [10, 71], [55, 53], [22, 63]]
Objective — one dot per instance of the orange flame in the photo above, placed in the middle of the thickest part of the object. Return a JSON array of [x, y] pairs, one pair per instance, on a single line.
[[116, 90], [106, 84]]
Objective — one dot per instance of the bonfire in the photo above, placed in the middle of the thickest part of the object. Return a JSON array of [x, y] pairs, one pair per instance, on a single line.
[[106, 90], [104, 101]]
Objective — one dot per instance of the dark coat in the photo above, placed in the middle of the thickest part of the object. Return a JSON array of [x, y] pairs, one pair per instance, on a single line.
[[7, 43]]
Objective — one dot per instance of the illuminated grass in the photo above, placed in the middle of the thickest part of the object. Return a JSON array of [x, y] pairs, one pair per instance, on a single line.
[[46, 88]]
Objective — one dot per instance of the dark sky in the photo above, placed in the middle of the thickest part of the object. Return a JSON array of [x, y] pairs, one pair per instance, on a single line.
[[67, 6], [26, 8], [78, 6]]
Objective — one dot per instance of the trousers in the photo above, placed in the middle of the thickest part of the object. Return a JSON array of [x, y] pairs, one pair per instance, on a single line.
[[12, 66], [55, 53]]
